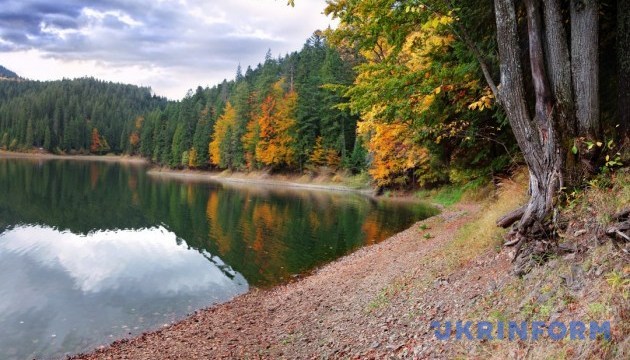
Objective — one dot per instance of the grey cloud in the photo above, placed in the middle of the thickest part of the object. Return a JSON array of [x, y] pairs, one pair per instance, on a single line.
[[198, 36]]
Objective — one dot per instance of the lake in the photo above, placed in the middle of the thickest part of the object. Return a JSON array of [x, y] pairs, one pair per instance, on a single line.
[[91, 251]]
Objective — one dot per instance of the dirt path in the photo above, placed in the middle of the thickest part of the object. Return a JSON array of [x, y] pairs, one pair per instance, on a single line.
[[377, 301]]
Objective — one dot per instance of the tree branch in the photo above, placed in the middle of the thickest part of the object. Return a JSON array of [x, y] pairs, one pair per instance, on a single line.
[[477, 54]]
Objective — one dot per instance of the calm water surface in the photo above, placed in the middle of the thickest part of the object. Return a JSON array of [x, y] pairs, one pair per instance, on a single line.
[[91, 252]]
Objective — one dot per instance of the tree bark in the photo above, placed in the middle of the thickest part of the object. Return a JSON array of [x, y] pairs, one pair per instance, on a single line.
[[585, 66], [558, 63], [536, 137], [623, 61]]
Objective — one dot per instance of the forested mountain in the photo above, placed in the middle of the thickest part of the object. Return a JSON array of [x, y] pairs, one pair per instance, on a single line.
[[71, 115], [280, 115], [6, 73]]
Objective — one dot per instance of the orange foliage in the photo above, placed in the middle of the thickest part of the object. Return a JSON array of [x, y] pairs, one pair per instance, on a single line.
[[95, 144], [221, 128], [218, 233], [318, 156], [277, 127], [324, 156], [98, 144], [395, 152], [134, 139]]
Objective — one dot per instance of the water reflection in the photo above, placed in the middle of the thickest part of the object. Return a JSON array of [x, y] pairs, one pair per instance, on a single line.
[[60, 291], [87, 248]]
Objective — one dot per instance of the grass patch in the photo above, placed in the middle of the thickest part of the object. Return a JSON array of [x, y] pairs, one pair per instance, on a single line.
[[379, 301], [605, 195], [475, 190], [483, 233], [384, 296], [358, 181], [597, 310], [619, 283], [449, 195]]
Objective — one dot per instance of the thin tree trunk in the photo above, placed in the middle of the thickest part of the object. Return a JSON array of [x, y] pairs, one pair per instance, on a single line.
[[623, 60], [585, 65]]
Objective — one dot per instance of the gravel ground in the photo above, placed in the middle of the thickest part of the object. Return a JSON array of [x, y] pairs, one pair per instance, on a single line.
[[375, 303]]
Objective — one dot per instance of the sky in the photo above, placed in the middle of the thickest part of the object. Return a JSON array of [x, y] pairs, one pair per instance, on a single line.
[[169, 45]]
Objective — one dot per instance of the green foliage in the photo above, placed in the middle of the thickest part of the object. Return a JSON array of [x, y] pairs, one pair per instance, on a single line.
[[61, 114], [393, 92], [418, 73], [449, 195], [312, 74]]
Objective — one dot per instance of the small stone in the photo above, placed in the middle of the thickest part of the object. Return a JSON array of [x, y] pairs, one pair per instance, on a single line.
[[579, 232], [375, 345]]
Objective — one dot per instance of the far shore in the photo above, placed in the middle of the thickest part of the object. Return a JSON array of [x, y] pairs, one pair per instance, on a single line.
[[251, 178], [255, 178], [49, 156]]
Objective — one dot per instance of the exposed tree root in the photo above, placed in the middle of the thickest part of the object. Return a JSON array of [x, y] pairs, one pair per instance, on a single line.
[[619, 232], [510, 218], [536, 243], [531, 253], [533, 246]]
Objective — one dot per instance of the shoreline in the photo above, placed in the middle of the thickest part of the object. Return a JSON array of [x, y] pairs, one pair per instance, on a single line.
[[252, 179], [47, 156], [286, 320]]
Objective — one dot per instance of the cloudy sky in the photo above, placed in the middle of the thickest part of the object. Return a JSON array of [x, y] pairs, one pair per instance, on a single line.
[[170, 45]]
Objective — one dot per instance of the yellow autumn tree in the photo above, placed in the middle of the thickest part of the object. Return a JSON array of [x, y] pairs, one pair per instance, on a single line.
[[192, 158], [402, 96], [250, 141], [276, 124], [322, 156], [134, 137], [318, 156], [396, 156], [222, 128]]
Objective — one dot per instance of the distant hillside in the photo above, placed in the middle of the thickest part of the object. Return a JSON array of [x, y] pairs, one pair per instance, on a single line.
[[80, 115], [6, 73]]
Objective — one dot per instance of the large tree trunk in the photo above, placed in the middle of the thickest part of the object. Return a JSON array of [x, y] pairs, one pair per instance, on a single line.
[[585, 65], [537, 137], [623, 61], [566, 105], [558, 63]]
